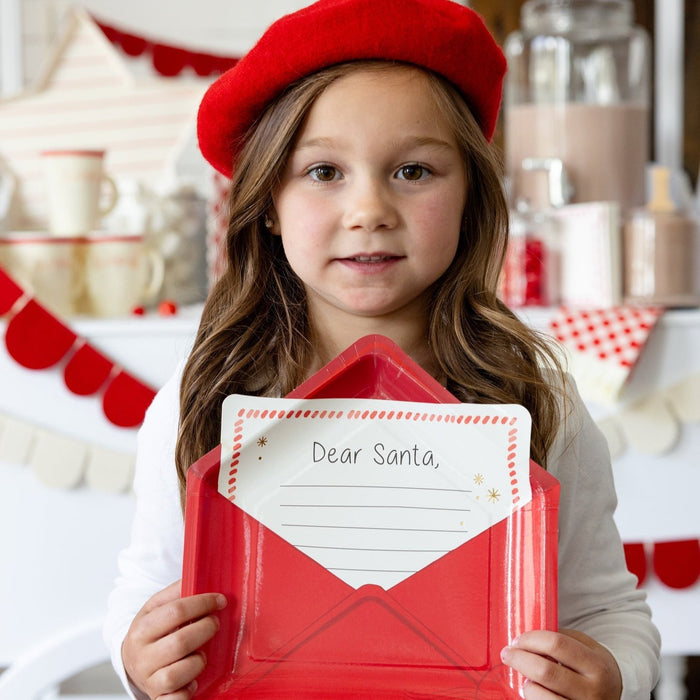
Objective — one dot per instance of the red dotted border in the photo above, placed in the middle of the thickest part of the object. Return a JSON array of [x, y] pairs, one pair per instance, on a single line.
[[415, 416], [235, 457]]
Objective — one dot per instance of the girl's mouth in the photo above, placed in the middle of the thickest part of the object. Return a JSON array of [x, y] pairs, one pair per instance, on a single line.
[[371, 258], [368, 264], [374, 258]]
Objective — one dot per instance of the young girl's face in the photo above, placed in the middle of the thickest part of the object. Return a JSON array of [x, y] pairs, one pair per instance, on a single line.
[[371, 202]]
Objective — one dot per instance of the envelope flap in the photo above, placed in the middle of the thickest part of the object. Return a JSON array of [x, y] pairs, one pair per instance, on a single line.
[[373, 367]]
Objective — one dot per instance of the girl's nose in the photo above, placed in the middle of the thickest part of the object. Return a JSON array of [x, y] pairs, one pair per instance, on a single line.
[[369, 207]]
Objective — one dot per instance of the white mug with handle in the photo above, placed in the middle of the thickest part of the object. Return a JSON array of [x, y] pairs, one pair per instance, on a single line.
[[7, 189], [46, 267], [120, 274], [75, 181]]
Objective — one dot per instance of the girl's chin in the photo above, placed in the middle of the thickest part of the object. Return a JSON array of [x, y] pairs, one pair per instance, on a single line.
[[375, 312], [368, 305]]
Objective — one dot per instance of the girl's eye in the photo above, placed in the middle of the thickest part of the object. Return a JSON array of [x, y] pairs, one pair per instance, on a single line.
[[323, 173], [412, 171]]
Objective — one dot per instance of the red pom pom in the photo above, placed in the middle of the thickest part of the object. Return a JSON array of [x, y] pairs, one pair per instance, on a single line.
[[167, 308], [138, 311]]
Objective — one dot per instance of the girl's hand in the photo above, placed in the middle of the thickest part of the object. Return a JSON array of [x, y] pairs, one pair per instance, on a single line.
[[160, 649], [565, 664]]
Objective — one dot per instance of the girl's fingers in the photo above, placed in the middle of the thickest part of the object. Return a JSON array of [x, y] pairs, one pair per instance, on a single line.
[[178, 679], [549, 661], [168, 630], [161, 620], [560, 648], [532, 691], [181, 643], [185, 693], [568, 664], [171, 592], [547, 678]]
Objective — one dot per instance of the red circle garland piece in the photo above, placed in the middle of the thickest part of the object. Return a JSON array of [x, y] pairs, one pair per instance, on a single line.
[[10, 291], [36, 339], [125, 400], [86, 371], [636, 559], [677, 564], [169, 61], [132, 45]]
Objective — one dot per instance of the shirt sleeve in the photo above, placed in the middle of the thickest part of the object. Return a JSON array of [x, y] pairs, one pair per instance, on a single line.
[[153, 558], [597, 594]]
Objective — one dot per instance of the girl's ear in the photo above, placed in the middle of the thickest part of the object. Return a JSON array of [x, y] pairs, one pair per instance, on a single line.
[[271, 224]]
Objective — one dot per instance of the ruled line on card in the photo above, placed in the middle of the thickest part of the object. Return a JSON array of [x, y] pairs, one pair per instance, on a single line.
[[370, 486], [362, 505], [367, 527]]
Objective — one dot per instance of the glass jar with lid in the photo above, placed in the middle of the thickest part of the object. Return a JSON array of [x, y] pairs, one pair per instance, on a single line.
[[577, 94]]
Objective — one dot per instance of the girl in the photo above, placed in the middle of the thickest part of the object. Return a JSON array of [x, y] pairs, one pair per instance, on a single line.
[[365, 199]]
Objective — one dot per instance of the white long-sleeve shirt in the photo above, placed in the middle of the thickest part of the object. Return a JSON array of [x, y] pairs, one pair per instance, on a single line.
[[597, 595]]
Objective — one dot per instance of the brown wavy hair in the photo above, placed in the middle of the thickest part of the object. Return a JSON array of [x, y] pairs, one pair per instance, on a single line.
[[254, 335]]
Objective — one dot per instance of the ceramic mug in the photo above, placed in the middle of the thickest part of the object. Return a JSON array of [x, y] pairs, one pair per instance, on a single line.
[[120, 273], [75, 181], [7, 189], [45, 267]]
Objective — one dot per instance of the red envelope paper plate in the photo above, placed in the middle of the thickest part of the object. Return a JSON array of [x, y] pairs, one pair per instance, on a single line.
[[294, 630]]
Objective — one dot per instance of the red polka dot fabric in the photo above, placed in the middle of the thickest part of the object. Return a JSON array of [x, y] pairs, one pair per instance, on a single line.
[[617, 334]]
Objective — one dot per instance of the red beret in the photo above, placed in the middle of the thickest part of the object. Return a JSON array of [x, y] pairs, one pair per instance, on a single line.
[[439, 35]]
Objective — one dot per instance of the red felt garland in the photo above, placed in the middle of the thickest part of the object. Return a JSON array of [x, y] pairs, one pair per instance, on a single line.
[[36, 339], [635, 556], [125, 400], [86, 371], [10, 292], [677, 564], [168, 60]]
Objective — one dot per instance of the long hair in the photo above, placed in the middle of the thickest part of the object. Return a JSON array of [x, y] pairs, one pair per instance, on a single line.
[[254, 334]]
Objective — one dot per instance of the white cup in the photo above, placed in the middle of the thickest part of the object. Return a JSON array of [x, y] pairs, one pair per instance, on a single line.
[[8, 185], [45, 267], [120, 273], [75, 181]]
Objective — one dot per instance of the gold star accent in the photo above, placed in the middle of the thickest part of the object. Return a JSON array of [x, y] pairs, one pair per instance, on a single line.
[[494, 495], [478, 479], [262, 441]]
